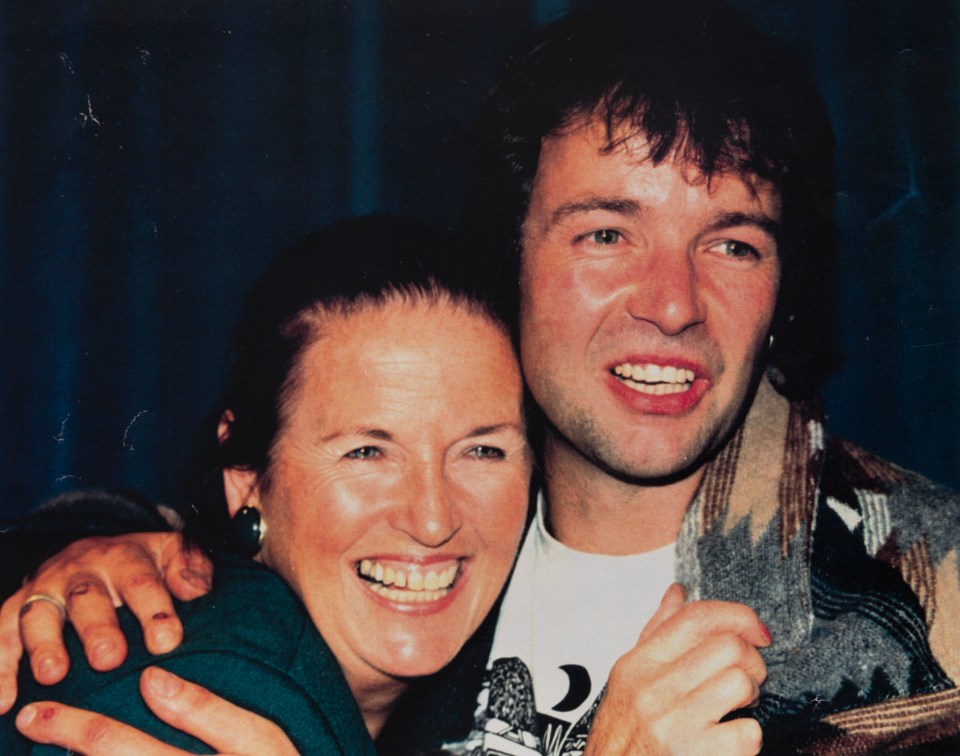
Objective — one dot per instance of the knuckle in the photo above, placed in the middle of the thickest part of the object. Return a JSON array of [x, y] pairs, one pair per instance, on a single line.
[[730, 648], [737, 686], [97, 628], [142, 580], [96, 731], [749, 736], [83, 585]]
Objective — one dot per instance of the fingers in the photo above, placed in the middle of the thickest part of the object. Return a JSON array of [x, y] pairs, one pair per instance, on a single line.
[[221, 724], [692, 666], [699, 620], [143, 591], [86, 732], [670, 604], [91, 610], [739, 736], [188, 572], [41, 635], [10, 650]]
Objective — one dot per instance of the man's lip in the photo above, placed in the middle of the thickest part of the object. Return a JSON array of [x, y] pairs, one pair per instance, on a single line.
[[664, 404], [699, 370]]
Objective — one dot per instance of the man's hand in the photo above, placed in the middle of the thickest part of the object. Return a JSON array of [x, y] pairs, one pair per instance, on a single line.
[[188, 707], [91, 578], [692, 665]]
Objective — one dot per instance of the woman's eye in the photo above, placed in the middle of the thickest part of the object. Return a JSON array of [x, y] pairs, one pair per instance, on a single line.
[[604, 236], [732, 248], [487, 452], [364, 452]]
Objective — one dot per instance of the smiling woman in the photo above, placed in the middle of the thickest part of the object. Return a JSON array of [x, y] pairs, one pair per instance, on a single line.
[[371, 440]]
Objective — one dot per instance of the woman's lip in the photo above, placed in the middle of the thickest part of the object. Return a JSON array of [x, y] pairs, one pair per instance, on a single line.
[[415, 577], [415, 602]]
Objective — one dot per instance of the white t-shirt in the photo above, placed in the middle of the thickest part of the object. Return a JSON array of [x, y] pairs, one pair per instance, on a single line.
[[569, 615]]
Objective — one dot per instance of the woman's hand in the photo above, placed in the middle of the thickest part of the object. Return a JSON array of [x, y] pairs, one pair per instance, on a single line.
[[181, 704], [90, 578], [693, 664]]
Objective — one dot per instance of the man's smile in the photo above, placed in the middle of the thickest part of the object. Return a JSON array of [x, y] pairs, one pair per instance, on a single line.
[[651, 378]]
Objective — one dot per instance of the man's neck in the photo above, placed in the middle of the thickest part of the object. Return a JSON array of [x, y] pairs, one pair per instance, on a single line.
[[590, 510]]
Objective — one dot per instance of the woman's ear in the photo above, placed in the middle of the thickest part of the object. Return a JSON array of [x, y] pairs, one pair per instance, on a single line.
[[239, 485], [241, 489]]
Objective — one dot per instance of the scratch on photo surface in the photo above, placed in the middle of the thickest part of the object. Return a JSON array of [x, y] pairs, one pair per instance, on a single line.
[[126, 433], [935, 344], [88, 116], [63, 427], [65, 59], [67, 477]]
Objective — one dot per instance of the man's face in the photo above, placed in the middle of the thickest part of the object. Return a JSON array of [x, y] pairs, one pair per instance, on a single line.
[[646, 294]]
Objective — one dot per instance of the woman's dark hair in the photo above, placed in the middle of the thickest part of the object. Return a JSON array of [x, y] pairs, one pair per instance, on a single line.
[[362, 262], [693, 77]]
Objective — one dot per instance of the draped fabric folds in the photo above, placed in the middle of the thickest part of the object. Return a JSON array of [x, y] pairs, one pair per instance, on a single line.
[[154, 155]]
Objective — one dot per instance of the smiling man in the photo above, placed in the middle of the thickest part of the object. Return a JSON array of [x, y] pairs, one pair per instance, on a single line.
[[658, 178]]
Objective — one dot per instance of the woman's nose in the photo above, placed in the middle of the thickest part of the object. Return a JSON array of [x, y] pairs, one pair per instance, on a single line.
[[431, 515]]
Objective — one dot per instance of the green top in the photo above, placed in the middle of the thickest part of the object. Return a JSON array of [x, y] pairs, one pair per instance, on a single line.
[[249, 640]]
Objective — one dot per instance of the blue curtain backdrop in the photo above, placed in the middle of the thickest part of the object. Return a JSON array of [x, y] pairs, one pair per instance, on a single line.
[[154, 155]]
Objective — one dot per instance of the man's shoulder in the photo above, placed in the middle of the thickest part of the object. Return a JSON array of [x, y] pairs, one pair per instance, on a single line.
[[896, 508]]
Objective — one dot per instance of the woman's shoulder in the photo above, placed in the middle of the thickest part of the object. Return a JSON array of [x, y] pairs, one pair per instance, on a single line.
[[248, 640]]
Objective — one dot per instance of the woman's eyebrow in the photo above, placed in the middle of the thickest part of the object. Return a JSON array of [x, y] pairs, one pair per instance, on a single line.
[[377, 434], [484, 430]]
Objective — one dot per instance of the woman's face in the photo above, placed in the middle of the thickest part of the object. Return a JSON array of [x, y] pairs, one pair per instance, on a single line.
[[398, 484]]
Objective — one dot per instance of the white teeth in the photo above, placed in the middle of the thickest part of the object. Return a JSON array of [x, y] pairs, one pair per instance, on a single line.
[[408, 597], [671, 378], [657, 389], [417, 582]]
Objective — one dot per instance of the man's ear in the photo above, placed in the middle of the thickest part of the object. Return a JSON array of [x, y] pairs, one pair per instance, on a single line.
[[239, 485]]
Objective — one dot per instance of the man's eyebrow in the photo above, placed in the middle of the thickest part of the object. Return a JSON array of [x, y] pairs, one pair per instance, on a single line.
[[618, 205], [762, 221]]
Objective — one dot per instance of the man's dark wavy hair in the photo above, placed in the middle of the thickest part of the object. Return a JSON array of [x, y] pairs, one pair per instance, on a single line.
[[695, 77]]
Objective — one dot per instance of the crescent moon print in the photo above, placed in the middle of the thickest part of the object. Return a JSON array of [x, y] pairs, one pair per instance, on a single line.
[[579, 687]]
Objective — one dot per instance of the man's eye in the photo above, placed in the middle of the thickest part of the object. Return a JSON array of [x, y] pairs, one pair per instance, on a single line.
[[604, 236], [732, 248], [364, 452], [487, 452]]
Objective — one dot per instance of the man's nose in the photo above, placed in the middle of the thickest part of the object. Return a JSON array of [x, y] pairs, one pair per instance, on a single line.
[[665, 290], [430, 514]]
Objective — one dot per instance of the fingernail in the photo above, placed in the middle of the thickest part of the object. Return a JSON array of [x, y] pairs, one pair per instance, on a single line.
[[26, 716], [765, 632], [164, 640], [45, 665], [102, 651], [163, 683]]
